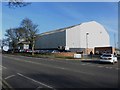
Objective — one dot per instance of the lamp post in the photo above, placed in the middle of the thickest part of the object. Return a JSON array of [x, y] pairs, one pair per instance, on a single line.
[[87, 41], [115, 41]]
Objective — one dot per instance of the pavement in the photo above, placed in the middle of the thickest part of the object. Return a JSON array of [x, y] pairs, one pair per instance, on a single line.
[[21, 72]]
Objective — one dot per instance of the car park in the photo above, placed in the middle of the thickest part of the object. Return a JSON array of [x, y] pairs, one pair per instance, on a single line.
[[111, 58]]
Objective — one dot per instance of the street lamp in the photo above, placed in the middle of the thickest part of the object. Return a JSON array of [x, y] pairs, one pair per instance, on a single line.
[[87, 41]]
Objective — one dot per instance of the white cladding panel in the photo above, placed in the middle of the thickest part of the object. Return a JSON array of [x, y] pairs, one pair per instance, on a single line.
[[73, 37], [76, 36]]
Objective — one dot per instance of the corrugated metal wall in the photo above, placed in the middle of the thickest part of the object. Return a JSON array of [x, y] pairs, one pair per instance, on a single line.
[[52, 40]]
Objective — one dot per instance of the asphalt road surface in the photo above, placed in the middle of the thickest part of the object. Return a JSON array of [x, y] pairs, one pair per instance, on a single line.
[[37, 73]]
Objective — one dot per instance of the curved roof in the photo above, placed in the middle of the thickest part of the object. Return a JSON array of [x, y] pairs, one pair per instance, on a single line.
[[65, 28]]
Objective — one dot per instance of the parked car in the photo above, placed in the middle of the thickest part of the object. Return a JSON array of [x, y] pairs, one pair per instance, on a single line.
[[55, 51], [36, 51], [21, 50], [108, 58], [42, 51], [29, 51]]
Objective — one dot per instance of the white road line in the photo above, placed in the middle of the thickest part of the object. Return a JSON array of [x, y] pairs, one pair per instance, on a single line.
[[100, 66], [3, 67], [92, 65], [9, 77], [62, 68], [38, 87], [107, 67], [88, 63], [34, 80], [110, 67], [83, 64], [117, 68]]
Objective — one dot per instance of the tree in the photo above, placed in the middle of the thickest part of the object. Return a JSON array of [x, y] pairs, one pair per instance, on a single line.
[[21, 33], [31, 30], [17, 3], [12, 37], [27, 32]]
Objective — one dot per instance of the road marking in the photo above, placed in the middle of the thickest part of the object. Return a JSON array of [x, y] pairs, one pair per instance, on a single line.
[[3, 67], [110, 67], [106, 67], [92, 65], [34, 80], [62, 68], [38, 87], [117, 68], [88, 63], [100, 66], [9, 77], [83, 64]]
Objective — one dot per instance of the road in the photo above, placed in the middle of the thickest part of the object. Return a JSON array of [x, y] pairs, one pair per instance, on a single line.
[[36, 73]]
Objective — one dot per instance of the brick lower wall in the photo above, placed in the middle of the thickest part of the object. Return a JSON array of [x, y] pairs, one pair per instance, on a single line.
[[64, 54], [87, 51]]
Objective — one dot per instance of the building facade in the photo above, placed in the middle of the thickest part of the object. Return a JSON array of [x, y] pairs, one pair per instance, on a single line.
[[75, 38]]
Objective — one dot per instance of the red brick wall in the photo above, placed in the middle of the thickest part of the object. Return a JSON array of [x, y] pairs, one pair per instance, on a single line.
[[65, 54]]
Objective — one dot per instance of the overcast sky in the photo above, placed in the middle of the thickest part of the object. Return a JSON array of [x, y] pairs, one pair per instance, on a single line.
[[51, 15]]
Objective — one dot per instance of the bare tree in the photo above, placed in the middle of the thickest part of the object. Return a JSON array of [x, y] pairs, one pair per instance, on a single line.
[[31, 32], [27, 31], [21, 33], [12, 37]]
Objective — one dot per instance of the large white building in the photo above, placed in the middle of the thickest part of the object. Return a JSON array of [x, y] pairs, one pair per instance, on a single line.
[[78, 37]]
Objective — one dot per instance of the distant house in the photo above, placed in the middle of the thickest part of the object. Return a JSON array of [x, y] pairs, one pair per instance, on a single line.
[[23, 45], [82, 37]]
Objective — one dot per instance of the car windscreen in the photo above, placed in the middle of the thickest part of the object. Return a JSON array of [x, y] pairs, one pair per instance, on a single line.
[[106, 56]]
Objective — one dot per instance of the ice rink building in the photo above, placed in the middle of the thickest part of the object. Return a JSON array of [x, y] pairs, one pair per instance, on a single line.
[[75, 38]]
